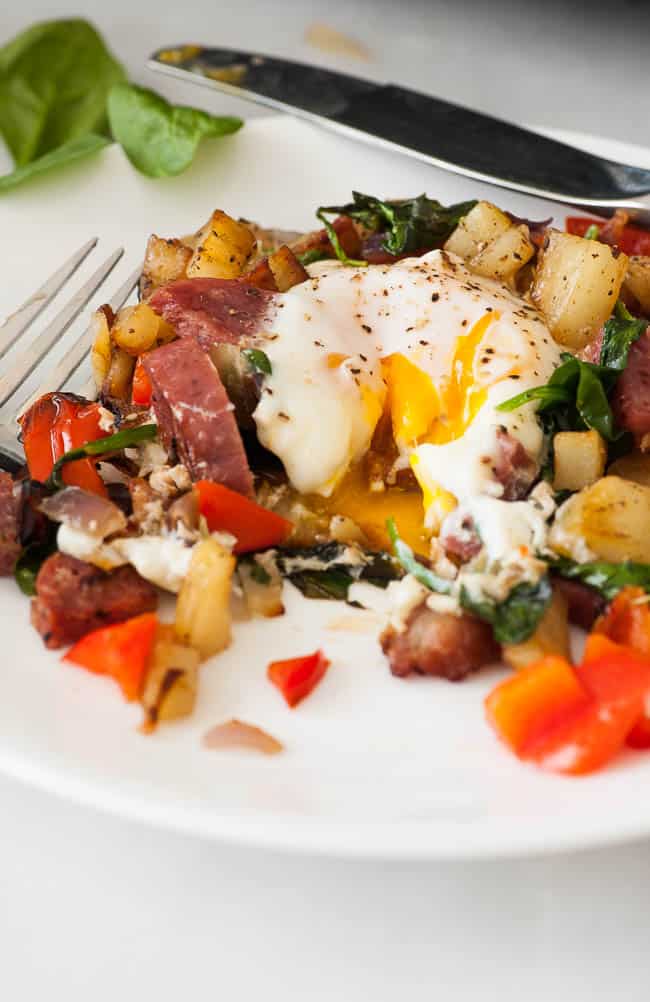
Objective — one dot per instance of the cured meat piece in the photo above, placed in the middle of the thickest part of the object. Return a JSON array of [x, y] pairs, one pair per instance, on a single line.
[[73, 598], [459, 536], [441, 644], [631, 398], [9, 530], [513, 467], [585, 604], [213, 310], [195, 415]]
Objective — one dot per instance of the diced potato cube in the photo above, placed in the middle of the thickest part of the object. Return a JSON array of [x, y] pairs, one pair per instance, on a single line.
[[503, 258], [100, 353], [611, 516], [576, 286], [172, 679], [482, 224], [550, 637], [579, 459], [120, 375], [203, 607], [286, 269], [138, 329], [225, 247], [164, 261], [637, 281], [635, 466]]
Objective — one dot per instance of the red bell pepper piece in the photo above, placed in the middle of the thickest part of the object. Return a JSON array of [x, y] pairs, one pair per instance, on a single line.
[[630, 239], [254, 527], [121, 651], [296, 677], [141, 390], [56, 423]]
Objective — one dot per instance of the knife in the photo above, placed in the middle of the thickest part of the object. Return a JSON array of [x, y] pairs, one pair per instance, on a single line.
[[439, 133]]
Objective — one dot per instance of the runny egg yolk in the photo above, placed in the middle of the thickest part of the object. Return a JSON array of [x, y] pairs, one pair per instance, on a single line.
[[423, 346]]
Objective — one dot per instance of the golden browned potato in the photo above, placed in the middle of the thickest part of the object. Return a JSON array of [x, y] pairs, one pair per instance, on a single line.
[[203, 617], [101, 351], [286, 269], [164, 261], [138, 329], [120, 374], [172, 679], [579, 459], [490, 243], [576, 286], [637, 281], [224, 249], [550, 637], [635, 466], [611, 516]]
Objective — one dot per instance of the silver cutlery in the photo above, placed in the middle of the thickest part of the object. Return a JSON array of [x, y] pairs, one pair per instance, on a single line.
[[440, 133], [14, 376]]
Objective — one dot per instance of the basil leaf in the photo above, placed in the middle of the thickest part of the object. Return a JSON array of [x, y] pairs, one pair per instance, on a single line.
[[410, 224], [516, 618], [76, 149], [606, 578], [259, 360], [619, 333], [575, 398], [30, 562], [159, 138], [101, 447], [54, 82]]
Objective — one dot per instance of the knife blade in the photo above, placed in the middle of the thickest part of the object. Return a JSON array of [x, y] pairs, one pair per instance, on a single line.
[[438, 132]]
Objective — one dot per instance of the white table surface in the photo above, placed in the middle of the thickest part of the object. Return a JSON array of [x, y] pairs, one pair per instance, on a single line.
[[94, 907]]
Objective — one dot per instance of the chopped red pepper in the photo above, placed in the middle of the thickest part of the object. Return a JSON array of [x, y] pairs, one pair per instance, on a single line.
[[296, 677], [142, 390], [629, 238], [56, 423], [121, 651], [254, 527]]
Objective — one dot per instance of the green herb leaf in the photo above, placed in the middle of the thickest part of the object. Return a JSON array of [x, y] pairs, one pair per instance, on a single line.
[[410, 224], [101, 447], [76, 149], [30, 562], [575, 398], [619, 333], [54, 82], [513, 620], [607, 579], [159, 138], [336, 243], [311, 256], [592, 232], [333, 579], [517, 617], [259, 360]]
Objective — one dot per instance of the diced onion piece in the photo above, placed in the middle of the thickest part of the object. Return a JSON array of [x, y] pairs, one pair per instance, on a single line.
[[172, 679], [82, 510], [238, 734]]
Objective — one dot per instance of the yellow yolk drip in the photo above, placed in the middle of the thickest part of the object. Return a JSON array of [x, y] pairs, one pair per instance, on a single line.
[[461, 399], [412, 399], [370, 510]]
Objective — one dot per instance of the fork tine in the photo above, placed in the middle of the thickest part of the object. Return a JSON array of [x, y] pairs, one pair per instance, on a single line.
[[19, 321], [25, 365], [75, 355]]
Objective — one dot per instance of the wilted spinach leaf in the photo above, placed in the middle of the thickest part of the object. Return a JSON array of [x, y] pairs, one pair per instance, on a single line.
[[619, 333], [159, 138], [606, 578], [333, 577], [516, 618]]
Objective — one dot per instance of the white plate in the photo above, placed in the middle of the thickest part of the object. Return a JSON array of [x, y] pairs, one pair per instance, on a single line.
[[374, 766]]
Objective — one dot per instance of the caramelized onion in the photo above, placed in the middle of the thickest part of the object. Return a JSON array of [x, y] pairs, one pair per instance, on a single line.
[[84, 511], [238, 734]]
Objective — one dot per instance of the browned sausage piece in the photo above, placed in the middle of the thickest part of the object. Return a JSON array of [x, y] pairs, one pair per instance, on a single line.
[[195, 415], [631, 398], [9, 541], [213, 310], [442, 644], [585, 604], [73, 598]]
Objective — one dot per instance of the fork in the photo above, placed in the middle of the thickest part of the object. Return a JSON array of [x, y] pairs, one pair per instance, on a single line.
[[14, 377]]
